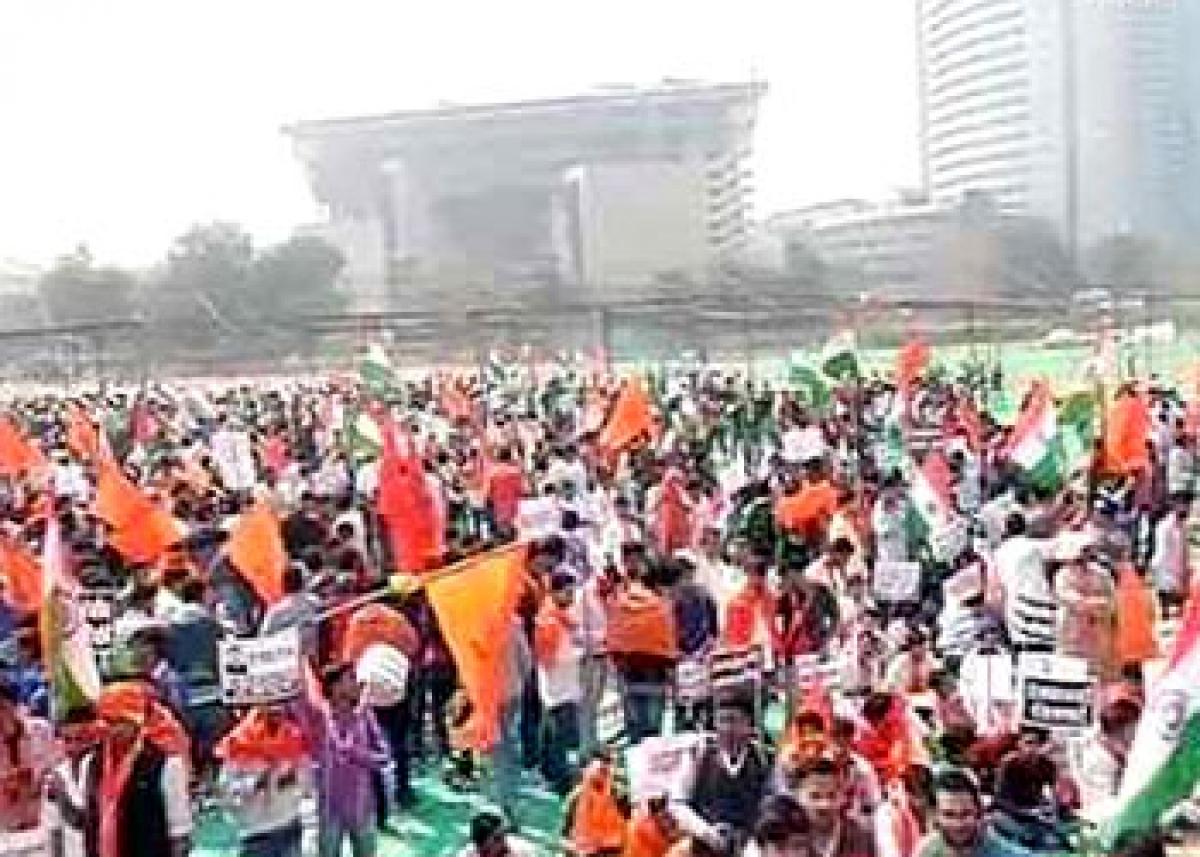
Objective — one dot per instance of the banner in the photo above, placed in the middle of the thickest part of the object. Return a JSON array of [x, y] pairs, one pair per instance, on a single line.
[[897, 582], [664, 766], [1055, 692], [260, 670]]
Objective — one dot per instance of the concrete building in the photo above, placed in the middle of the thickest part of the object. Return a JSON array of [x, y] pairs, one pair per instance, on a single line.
[[1082, 112], [600, 192], [887, 247]]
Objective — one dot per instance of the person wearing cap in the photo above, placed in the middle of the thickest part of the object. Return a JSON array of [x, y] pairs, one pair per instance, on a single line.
[[559, 656], [490, 837]]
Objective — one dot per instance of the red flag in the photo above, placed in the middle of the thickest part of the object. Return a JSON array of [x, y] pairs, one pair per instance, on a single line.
[[255, 548], [22, 575], [630, 420], [1128, 430], [406, 504], [910, 363], [17, 454], [141, 529]]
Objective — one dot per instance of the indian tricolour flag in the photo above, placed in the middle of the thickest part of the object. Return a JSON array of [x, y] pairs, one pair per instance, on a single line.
[[375, 371], [1035, 445], [66, 640], [1164, 762], [932, 495]]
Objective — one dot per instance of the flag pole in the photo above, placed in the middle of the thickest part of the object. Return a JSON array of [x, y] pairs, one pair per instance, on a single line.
[[413, 584]]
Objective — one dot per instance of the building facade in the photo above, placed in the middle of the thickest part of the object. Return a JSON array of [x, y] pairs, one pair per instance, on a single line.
[[1081, 112], [599, 192], [885, 248]]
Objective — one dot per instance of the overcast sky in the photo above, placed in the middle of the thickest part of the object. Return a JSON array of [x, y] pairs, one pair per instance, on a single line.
[[124, 121]]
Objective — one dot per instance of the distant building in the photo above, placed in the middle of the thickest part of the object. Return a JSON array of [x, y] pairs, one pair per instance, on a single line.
[[886, 246], [1081, 112], [604, 192]]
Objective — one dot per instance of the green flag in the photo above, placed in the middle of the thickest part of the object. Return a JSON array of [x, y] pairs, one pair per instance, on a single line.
[[839, 357], [808, 380], [376, 373]]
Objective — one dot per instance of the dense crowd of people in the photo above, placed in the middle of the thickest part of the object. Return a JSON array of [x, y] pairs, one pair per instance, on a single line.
[[880, 561]]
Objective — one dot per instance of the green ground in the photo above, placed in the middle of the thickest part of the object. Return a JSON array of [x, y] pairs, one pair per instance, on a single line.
[[435, 828]]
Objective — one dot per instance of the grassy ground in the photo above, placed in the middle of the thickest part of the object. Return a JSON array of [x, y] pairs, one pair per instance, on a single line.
[[436, 827]]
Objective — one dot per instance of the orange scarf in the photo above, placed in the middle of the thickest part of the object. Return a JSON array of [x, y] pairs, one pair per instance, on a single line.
[[1135, 619], [646, 838], [553, 625], [598, 826], [255, 741]]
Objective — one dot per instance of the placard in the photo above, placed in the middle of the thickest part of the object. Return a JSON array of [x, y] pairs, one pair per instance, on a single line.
[[664, 766], [1055, 692], [25, 843], [897, 581], [691, 680], [99, 609], [539, 517], [734, 668], [809, 671], [260, 670]]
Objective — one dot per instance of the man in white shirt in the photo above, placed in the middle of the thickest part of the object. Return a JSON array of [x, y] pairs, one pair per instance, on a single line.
[[559, 653]]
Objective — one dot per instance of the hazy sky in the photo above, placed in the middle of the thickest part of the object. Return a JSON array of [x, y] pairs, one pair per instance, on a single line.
[[123, 121]]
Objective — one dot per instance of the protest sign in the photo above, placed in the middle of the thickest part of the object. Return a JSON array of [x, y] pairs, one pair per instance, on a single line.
[[810, 671], [735, 668], [897, 582], [24, 843], [98, 607], [539, 517], [260, 670], [691, 680], [664, 766], [1055, 692]]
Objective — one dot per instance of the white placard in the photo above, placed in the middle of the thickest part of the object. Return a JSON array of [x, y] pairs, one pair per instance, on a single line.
[[664, 766], [24, 843], [809, 671], [98, 607], [1055, 692], [897, 582], [260, 670], [539, 517]]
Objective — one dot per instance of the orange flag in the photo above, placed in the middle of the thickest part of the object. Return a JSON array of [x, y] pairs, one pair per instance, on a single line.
[[22, 575], [911, 362], [1128, 430], [141, 529], [82, 438], [630, 419], [475, 603], [256, 550], [17, 454]]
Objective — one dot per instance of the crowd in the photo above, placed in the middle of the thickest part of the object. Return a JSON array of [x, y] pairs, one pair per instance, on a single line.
[[848, 616]]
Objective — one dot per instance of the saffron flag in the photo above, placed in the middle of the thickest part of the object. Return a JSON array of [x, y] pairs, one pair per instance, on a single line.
[[910, 363], [66, 641], [406, 504], [475, 604], [22, 576], [630, 419], [17, 454], [141, 530], [256, 550], [1127, 431]]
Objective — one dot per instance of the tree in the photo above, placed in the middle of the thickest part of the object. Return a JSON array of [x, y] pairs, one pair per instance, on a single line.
[[75, 290], [296, 277], [1126, 262]]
